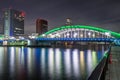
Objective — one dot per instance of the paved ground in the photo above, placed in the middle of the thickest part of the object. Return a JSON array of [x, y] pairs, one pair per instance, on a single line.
[[113, 72]]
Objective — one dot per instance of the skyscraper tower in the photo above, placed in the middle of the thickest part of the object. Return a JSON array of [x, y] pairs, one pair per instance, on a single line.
[[13, 22], [68, 21], [1, 26], [41, 26]]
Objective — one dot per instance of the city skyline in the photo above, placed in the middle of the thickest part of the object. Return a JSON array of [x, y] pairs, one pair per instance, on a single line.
[[101, 13]]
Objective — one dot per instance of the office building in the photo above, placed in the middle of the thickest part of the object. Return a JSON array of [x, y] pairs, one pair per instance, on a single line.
[[41, 26], [13, 22], [68, 21], [1, 26]]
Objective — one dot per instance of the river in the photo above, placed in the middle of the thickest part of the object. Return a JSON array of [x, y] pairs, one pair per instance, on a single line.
[[40, 63]]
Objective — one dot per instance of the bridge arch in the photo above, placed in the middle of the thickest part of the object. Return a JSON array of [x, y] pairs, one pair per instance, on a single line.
[[80, 31]]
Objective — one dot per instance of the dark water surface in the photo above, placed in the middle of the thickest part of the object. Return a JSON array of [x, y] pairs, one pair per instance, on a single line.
[[23, 63]]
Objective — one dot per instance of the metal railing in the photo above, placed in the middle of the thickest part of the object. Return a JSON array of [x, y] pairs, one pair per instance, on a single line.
[[100, 70]]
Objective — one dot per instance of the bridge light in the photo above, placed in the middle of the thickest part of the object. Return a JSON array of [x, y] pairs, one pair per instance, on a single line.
[[89, 33], [20, 37], [93, 35], [107, 34], [51, 36], [81, 35], [11, 37], [43, 35], [68, 34], [57, 35], [75, 35]]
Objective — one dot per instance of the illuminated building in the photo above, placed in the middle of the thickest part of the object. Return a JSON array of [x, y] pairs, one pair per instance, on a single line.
[[1, 27], [68, 21], [41, 26], [13, 22]]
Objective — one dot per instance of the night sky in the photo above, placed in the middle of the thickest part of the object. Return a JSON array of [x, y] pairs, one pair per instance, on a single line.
[[100, 13]]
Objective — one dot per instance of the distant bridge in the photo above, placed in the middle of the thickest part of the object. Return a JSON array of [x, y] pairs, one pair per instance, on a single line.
[[80, 33]]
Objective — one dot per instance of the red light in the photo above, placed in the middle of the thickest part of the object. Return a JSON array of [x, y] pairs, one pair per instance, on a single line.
[[22, 14]]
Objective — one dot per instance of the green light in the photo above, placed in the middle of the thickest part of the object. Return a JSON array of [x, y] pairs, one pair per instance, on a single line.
[[94, 57], [1, 36], [106, 54], [116, 35]]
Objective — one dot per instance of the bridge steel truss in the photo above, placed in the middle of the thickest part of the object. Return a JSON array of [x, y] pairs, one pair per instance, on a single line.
[[80, 33]]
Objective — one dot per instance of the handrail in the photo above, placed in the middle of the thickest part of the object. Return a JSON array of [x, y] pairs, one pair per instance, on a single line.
[[99, 71]]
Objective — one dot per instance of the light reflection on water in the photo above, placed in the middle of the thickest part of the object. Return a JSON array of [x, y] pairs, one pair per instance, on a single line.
[[1, 60], [21, 63], [76, 66], [51, 63], [67, 60], [58, 63], [89, 61]]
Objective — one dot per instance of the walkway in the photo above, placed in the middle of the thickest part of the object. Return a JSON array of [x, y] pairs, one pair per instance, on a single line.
[[113, 72]]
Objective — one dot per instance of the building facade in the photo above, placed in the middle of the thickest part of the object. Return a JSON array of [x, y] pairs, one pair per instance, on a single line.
[[68, 21], [1, 26], [13, 22], [41, 26]]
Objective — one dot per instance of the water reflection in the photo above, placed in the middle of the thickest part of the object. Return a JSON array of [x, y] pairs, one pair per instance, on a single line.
[[51, 63], [82, 65], [12, 61], [76, 66], [1, 59], [20, 63], [58, 63], [89, 62], [67, 60], [94, 58], [43, 61], [22, 56]]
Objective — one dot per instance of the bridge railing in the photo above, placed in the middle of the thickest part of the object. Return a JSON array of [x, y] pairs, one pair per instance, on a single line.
[[100, 70], [77, 39]]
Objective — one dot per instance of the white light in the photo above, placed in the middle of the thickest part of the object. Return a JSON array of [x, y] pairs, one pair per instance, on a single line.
[[28, 41], [75, 34], [89, 33], [57, 35], [29, 36], [33, 37], [68, 34], [93, 35], [20, 37], [107, 33], [81, 35], [52, 36], [12, 37], [43, 35]]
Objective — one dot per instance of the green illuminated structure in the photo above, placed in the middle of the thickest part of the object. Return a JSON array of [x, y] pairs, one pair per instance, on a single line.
[[114, 34], [1, 37]]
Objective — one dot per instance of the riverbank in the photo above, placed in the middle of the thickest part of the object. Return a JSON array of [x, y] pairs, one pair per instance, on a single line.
[[113, 72]]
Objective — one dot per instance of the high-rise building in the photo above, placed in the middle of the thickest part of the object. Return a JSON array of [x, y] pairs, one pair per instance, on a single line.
[[68, 21], [13, 22], [41, 26], [1, 26]]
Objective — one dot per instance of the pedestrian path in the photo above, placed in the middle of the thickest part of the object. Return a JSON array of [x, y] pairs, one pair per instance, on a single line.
[[113, 72]]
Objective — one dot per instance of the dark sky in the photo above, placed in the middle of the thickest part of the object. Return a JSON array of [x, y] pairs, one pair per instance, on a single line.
[[100, 13]]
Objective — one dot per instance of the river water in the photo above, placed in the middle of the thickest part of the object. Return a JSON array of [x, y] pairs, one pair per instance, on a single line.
[[25, 63]]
